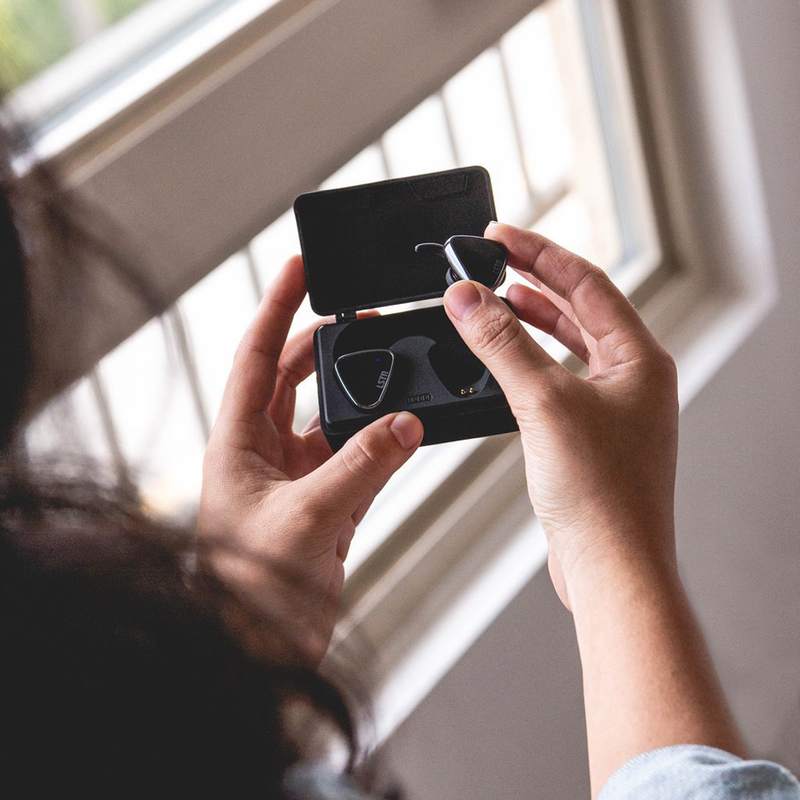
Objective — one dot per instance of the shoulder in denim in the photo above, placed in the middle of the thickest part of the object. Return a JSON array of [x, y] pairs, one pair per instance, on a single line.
[[697, 772]]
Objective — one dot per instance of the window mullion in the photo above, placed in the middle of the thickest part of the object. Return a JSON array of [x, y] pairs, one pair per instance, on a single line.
[[109, 429]]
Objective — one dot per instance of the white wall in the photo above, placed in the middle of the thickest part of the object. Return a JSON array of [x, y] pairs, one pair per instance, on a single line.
[[507, 721]]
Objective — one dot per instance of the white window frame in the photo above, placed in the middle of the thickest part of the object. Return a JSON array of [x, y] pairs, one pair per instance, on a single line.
[[56, 93], [462, 553]]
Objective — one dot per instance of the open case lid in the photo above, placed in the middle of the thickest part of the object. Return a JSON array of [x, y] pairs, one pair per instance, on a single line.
[[358, 242]]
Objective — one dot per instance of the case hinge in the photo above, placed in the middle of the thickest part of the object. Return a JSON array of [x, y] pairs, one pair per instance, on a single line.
[[346, 316]]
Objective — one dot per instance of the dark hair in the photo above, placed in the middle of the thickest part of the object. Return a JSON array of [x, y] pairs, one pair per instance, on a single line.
[[14, 306], [117, 670]]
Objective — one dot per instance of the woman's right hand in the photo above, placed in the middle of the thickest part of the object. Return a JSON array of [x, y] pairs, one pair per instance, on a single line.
[[600, 452]]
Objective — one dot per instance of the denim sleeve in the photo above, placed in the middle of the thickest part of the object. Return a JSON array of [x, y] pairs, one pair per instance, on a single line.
[[696, 772], [319, 782]]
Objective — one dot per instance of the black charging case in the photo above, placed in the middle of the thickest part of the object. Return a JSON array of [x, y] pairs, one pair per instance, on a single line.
[[358, 252]]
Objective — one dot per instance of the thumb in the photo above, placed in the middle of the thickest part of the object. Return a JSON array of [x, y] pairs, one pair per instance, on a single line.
[[495, 335], [366, 462]]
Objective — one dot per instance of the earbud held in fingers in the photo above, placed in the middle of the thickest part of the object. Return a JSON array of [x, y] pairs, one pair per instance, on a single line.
[[365, 376], [471, 258]]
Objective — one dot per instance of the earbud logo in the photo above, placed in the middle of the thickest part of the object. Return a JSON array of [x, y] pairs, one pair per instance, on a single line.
[[498, 266], [382, 378]]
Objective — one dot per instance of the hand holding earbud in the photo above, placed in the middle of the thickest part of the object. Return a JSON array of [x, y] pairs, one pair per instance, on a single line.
[[600, 453]]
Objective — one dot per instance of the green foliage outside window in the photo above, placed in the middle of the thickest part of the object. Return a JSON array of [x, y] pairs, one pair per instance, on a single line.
[[114, 10], [34, 34]]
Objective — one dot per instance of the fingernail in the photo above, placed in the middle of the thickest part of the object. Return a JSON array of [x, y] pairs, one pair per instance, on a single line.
[[407, 429], [462, 299]]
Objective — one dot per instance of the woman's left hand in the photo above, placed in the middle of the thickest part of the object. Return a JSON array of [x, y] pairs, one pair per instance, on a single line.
[[278, 509]]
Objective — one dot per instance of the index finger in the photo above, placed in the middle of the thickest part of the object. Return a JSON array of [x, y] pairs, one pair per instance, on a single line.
[[598, 306], [251, 382]]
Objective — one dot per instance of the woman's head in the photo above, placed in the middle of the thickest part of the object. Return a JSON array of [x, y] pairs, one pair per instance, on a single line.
[[14, 306], [117, 668]]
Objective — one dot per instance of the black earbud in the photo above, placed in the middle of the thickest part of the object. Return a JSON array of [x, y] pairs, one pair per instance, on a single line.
[[471, 258], [365, 376]]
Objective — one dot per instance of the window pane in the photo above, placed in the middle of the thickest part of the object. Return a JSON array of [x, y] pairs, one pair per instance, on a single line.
[[216, 312], [156, 419], [36, 34], [539, 100], [420, 142], [484, 131], [61, 55], [70, 430]]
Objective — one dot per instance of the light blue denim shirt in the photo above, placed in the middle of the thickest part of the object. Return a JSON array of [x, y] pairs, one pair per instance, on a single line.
[[682, 772], [697, 772]]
